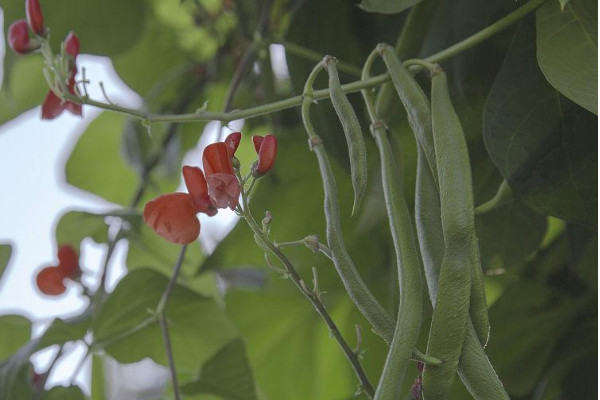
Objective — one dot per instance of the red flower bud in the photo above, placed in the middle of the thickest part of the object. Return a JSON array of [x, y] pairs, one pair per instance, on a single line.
[[266, 147], [18, 38], [223, 186], [68, 261], [72, 45], [196, 185], [173, 216], [50, 281], [233, 141], [35, 18]]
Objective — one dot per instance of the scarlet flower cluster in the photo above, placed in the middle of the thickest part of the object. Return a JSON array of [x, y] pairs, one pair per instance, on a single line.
[[21, 42], [173, 215], [50, 280]]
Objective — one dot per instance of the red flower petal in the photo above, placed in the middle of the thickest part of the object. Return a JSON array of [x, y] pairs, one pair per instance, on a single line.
[[173, 217], [232, 141], [53, 106], [267, 154], [50, 281], [257, 140], [35, 18], [196, 185], [18, 37], [216, 159], [68, 260], [224, 190]]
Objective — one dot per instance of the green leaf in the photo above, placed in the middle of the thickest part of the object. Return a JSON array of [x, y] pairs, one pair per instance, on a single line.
[[227, 374], [5, 253], [508, 234], [22, 89], [543, 145], [64, 393], [67, 330], [127, 330], [287, 339], [531, 320], [567, 49], [15, 374], [74, 226], [96, 164], [15, 331], [387, 6]]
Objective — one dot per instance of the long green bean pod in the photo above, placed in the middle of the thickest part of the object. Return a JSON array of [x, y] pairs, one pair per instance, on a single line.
[[415, 102], [358, 291], [408, 322], [354, 137], [474, 367], [450, 315]]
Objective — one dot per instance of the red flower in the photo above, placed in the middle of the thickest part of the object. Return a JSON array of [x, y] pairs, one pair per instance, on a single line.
[[18, 38], [266, 148], [72, 49], [35, 18], [68, 261], [196, 185], [53, 105], [50, 281], [173, 216], [223, 186], [233, 141]]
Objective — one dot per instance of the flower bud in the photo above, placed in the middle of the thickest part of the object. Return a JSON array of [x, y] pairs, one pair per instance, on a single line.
[[50, 281], [52, 106], [18, 38], [232, 141], [35, 18], [173, 217], [266, 147]]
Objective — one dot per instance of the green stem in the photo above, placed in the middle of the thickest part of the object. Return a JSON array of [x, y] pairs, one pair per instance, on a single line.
[[502, 196], [311, 55]]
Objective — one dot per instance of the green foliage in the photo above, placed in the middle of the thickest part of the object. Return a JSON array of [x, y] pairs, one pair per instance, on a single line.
[[15, 331], [387, 6], [126, 327], [540, 141], [227, 374], [5, 253], [567, 49], [64, 393]]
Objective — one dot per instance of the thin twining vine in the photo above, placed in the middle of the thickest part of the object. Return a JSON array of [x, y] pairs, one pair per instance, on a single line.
[[202, 115]]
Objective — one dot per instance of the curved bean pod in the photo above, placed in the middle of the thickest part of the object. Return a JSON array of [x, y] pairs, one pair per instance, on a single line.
[[358, 291], [354, 137], [408, 324]]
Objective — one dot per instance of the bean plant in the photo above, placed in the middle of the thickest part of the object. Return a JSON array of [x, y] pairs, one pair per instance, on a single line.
[[415, 197]]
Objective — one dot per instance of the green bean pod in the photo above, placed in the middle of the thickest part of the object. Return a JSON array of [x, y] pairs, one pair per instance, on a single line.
[[354, 137], [415, 102], [381, 322], [474, 368], [450, 314], [408, 323]]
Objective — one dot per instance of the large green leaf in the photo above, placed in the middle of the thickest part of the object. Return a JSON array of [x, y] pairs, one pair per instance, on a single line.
[[96, 164], [544, 145], [387, 6], [286, 338], [508, 234], [66, 330], [127, 330], [73, 226], [567, 49], [5, 253], [227, 374], [15, 331], [530, 321]]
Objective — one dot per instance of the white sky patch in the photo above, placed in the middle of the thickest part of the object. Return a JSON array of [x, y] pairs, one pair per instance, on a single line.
[[279, 62]]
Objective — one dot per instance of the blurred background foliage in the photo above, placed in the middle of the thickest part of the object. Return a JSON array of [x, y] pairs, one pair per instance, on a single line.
[[526, 98]]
